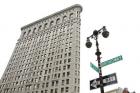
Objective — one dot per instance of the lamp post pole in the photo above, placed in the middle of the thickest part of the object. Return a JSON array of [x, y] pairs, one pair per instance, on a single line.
[[95, 34], [98, 53]]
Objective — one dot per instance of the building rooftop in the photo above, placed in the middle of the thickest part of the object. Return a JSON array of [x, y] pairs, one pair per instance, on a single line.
[[56, 13]]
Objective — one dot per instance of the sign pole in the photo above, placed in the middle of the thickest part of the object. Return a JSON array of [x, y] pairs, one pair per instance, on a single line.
[[98, 53], [95, 34]]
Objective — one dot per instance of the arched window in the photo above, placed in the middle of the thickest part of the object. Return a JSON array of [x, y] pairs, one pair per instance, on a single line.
[[64, 18], [45, 25], [71, 15], [34, 30], [58, 21], [24, 34], [78, 13], [29, 32], [39, 28], [51, 23]]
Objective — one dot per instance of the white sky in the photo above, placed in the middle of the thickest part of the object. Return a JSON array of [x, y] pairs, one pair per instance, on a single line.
[[121, 17]]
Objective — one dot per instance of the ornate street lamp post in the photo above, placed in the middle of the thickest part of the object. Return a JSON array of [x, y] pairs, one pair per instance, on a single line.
[[95, 34]]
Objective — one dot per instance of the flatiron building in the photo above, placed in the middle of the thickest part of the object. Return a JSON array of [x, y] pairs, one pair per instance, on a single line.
[[46, 58]]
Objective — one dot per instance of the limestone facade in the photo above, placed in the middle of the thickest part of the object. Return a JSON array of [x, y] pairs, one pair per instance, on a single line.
[[46, 58]]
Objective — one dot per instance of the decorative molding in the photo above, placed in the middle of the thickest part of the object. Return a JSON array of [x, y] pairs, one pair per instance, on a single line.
[[52, 15]]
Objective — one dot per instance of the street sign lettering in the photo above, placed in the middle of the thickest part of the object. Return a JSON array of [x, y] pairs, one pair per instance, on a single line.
[[111, 61], [110, 79], [106, 63], [107, 80], [94, 67]]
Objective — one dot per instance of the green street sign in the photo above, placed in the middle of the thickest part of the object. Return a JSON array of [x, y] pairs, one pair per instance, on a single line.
[[111, 61], [94, 67]]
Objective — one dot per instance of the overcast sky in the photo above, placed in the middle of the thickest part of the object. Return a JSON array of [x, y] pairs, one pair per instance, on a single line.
[[121, 17]]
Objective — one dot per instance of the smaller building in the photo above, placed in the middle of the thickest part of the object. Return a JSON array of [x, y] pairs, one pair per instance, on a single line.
[[118, 90]]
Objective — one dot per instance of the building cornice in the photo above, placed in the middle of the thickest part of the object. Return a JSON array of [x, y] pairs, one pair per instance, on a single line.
[[47, 17]]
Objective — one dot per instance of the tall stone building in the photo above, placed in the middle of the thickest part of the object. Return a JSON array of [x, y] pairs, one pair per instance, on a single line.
[[46, 58]]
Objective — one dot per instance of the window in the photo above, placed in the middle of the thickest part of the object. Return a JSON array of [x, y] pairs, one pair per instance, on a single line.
[[61, 50], [78, 13], [48, 77], [56, 90], [46, 65], [70, 43], [29, 32], [49, 70], [65, 61], [51, 23], [67, 81], [46, 91], [64, 67], [71, 15], [58, 21], [43, 84], [40, 72], [38, 86], [75, 80], [39, 28], [67, 89], [47, 84], [51, 91], [68, 74], [68, 66], [66, 49], [65, 54], [45, 25], [34, 30], [24, 34], [42, 91], [58, 75], [62, 90], [75, 88], [60, 62], [69, 53], [63, 82], [52, 83], [69, 48], [44, 78], [69, 60], [46, 71], [57, 83], [64, 18]]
